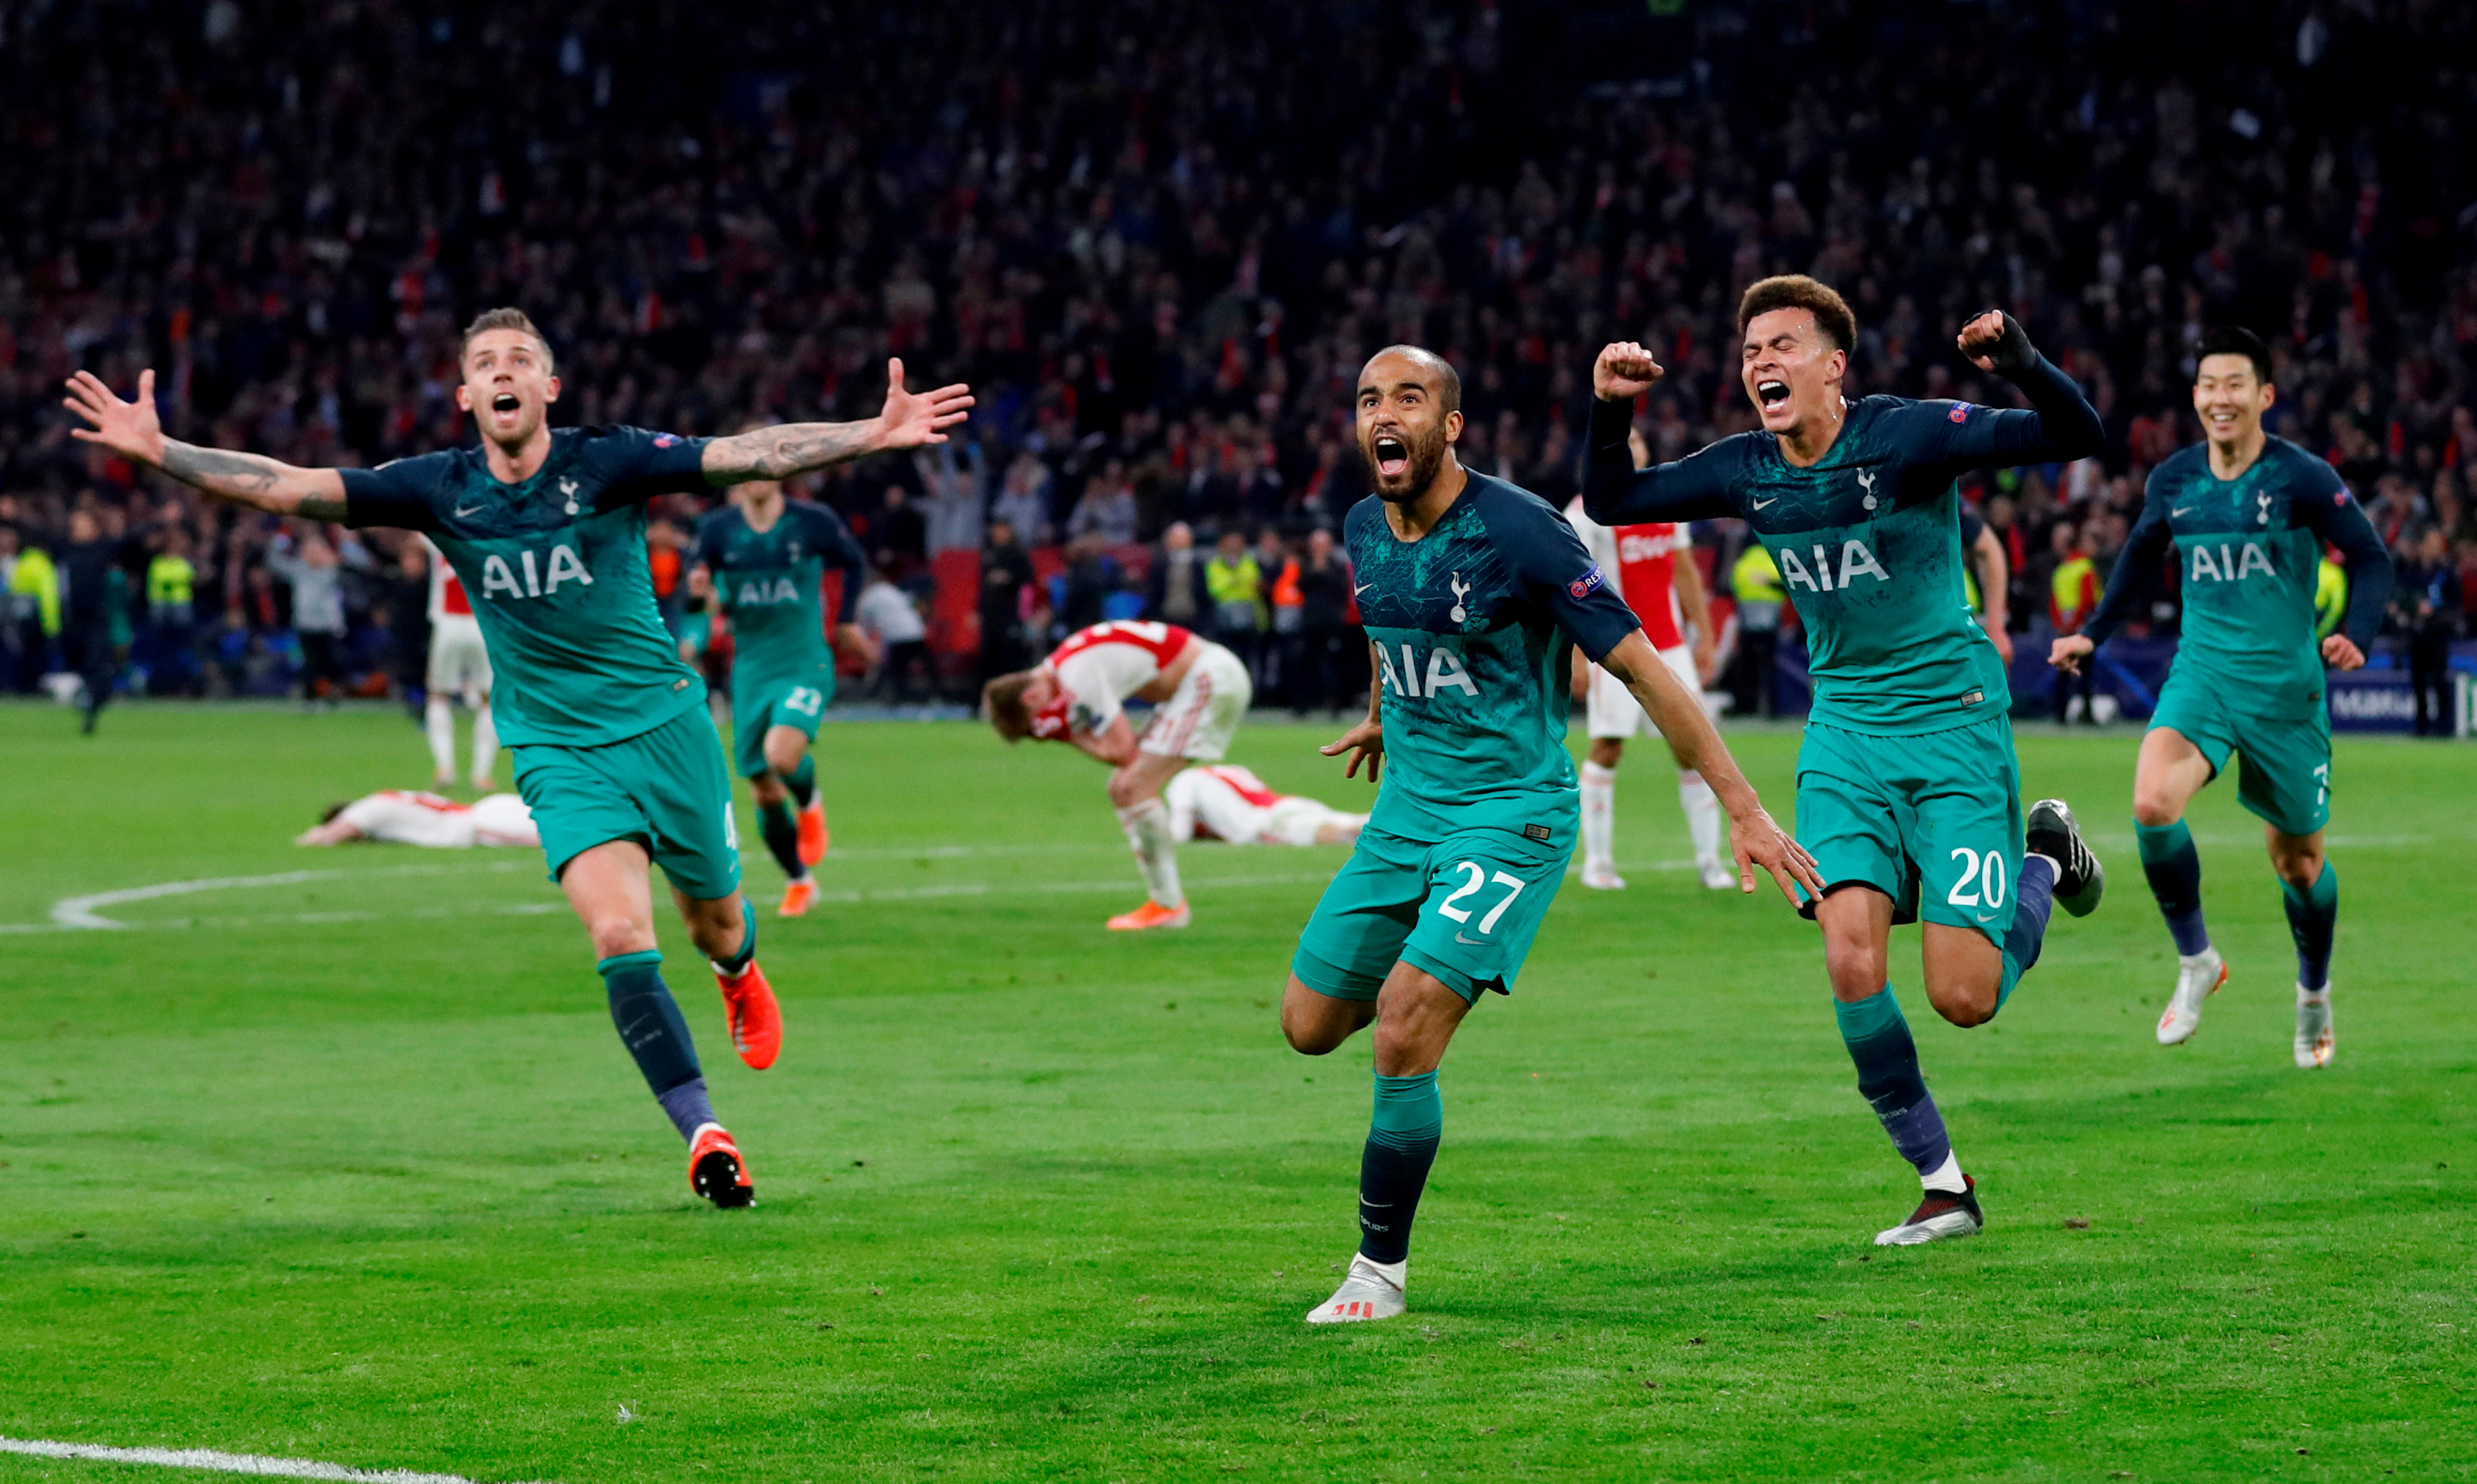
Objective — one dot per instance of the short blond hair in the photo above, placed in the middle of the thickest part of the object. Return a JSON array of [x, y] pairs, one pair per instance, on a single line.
[[504, 319], [1002, 700]]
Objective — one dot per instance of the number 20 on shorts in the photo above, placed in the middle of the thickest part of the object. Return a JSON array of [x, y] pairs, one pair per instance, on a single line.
[[1980, 877], [1474, 876]]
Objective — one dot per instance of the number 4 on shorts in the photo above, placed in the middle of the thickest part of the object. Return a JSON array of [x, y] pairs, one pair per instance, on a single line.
[[1475, 876]]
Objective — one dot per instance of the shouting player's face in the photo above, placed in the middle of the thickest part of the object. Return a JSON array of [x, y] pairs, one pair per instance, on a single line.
[[1404, 431], [508, 386], [2231, 397], [1792, 371]]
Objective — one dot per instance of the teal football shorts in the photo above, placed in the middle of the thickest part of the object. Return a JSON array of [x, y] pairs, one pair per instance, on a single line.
[[1932, 821], [666, 789], [759, 704], [2287, 775], [1464, 908]]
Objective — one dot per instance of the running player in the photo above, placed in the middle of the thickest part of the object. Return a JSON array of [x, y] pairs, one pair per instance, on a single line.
[[1665, 588], [1464, 582], [1200, 693], [614, 753], [765, 557], [1908, 790], [2247, 515], [395, 816], [1225, 801], [460, 665]]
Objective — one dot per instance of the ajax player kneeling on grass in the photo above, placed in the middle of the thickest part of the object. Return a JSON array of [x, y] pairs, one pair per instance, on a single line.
[[614, 751], [1464, 582], [1200, 693]]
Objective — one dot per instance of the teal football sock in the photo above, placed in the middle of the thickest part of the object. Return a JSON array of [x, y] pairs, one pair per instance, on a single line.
[[2175, 872], [802, 780], [2312, 917], [1402, 1138], [782, 839]]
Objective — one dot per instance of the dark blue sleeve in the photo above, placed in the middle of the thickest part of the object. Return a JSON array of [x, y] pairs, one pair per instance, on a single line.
[[1972, 526], [403, 494], [1556, 572], [710, 543], [2320, 502], [834, 542], [1615, 493], [636, 465], [1940, 441], [2137, 566]]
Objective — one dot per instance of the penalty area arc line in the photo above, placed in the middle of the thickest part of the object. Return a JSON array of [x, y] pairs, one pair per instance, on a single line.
[[214, 1461]]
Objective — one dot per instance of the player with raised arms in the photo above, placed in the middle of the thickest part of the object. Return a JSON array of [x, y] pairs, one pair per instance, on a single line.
[[614, 751], [1464, 582], [2246, 515], [765, 560], [1908, 789]]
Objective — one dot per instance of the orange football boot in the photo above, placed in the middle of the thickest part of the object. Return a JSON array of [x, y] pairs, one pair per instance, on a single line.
[[797, 898], [813, 831], [1152, 914], [755, 1019], [716, 1171]]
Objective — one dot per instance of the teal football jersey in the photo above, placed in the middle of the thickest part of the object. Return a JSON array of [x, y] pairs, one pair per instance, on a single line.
[[770, 583], [2248, 551], [556, 574], [1465, 623], [1868, 539]]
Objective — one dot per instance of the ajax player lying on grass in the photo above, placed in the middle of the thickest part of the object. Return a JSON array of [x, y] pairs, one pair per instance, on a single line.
[[397, 816], [1225, 801]]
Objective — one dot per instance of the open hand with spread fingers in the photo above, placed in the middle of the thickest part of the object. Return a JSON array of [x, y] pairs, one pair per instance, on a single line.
[[911, 419]]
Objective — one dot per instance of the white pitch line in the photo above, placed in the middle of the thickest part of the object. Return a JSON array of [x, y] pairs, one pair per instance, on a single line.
[[80, 911], [210, 1461]]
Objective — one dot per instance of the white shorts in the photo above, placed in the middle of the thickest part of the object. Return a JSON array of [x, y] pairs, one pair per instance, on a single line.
[[1613, 710], [458, 662], [502, 818], [1201, 717]]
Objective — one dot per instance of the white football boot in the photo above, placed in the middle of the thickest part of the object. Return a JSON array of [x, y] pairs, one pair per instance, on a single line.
[[1941, 1214], [2198, 977], [1717, 874], [1603, 879], [1370, 1290], [2314, 1028]]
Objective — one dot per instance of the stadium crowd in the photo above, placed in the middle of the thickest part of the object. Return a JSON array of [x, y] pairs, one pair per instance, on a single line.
[[1160, 238]]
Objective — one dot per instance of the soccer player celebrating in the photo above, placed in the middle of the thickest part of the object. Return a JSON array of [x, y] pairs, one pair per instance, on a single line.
[[1665, 589], [766, 559], [1908, 790], [2247, 515], [1078, 695], [1464, 582], [614, 751]]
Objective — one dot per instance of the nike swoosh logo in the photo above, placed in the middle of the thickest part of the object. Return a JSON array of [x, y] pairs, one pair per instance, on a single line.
[[2180, 509], [1473, 942], [463, 510], [1360, 588], [1760, 504]]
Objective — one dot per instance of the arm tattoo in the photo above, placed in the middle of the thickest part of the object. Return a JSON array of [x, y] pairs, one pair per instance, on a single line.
[[780, 452], [248, 479]]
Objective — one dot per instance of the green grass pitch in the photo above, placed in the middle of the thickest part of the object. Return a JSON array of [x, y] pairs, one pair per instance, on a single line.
[[352, 1168]]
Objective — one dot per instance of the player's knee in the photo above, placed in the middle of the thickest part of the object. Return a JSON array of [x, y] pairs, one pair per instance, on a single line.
[[2154, 807], [768, 790], [1854, 963], [784, 756], [2297, 868], [1126, 790], [617, 933]]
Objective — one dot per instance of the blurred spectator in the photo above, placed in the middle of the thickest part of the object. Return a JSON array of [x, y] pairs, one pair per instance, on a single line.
[[2428, 605], [407, 597], [30, 622], [1755, 581], [1023, 498], [1006, 570], [93, 595], [887, 614], [2072, 596], [1107, 509], [897, 537], [172, 618], [1319, 668], [1178, 593], [1236, 584], [316, 576]]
